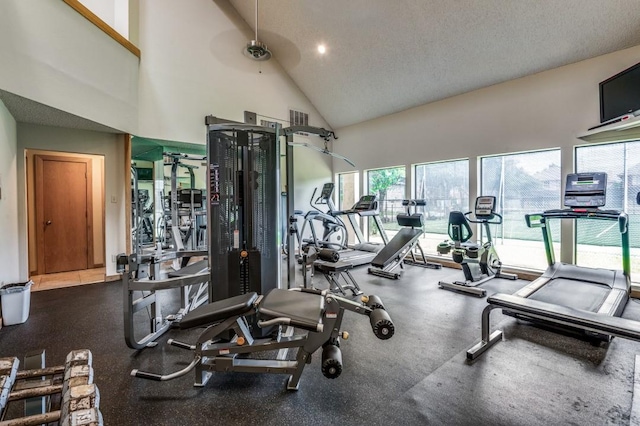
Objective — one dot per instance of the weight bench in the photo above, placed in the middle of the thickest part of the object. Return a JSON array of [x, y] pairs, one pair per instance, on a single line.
[[550, 313], [318, 314], [403, 246], [328, 262], [335, 272]]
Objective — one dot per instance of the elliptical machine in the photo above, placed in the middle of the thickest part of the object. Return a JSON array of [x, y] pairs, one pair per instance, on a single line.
[[480, 262], [334, 231]]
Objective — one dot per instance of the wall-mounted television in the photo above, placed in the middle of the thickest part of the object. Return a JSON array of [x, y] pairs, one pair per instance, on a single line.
[[620, 94]]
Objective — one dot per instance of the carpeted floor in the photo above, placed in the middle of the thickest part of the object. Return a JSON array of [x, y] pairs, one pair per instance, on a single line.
[[420, 376]]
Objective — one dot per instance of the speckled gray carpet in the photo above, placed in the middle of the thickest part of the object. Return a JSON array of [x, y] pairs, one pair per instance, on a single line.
[[534, 377]]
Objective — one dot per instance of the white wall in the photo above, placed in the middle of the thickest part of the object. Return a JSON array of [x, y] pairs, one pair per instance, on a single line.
[[192, 66], [114, 13], [9, 258], [545, 110], [111, 146], [53, 55], [103, 9]]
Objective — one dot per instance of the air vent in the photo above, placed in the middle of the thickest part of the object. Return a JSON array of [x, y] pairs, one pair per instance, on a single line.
[[298, 118], [270, 124]]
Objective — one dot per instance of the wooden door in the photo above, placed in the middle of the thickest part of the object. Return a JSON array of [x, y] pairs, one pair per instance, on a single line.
[[63, 213]]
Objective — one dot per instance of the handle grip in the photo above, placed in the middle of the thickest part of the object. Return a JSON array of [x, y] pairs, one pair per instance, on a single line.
[[145, 375]]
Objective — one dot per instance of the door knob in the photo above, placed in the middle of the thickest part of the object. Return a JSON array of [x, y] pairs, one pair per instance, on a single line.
[[48, 222]]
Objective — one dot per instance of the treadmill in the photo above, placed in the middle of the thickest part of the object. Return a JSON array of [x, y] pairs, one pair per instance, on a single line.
[[364, 251], [601, 291]]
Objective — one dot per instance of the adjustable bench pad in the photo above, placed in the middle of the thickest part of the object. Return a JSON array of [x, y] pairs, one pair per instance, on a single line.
[[303, 308], [339, 266], [218, 311]]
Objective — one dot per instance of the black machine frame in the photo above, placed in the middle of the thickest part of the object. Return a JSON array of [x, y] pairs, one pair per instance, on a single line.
[[317, 315], [243, 202], [243, 197]]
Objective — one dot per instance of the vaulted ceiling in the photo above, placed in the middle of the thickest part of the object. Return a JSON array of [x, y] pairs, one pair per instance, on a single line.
[[386, 56]]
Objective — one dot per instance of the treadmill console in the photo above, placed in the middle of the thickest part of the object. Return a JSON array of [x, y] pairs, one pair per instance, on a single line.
[[485, 207], [585, 190], [366, 203]]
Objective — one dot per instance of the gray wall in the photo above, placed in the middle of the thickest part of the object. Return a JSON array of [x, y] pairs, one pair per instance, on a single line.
[[9, 257]]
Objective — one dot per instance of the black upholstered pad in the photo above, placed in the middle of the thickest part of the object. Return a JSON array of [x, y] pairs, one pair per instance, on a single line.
[[339, 266], [404, 237], [218, 311], [304, 309]]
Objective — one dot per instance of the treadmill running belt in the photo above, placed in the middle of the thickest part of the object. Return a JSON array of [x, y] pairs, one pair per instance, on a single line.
[[573, 294]]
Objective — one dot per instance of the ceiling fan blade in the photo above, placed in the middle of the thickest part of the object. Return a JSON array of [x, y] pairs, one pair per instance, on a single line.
[[322, 150]]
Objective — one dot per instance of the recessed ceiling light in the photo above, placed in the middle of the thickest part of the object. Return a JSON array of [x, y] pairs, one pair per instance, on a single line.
[[322, 49]]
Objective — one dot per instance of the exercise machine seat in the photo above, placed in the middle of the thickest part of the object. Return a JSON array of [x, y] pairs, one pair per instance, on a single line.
[[304, 309], [218, 311], [457, 220]]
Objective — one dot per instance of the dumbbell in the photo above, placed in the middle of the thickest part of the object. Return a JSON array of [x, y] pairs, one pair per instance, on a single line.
[[88, 417], [80, 397], [77, 371], [8, 372]]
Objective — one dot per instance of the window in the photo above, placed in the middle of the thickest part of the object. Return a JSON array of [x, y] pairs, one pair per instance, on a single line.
[[348, 194], [389, 185], [598, 242], [347, 190], [522, 183], [445, 187]]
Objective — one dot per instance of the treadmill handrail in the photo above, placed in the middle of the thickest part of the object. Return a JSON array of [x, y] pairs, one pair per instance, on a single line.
[[538, 220], [621, 217], [582, 214]]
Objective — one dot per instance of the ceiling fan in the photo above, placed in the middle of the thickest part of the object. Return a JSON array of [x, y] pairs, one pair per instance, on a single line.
[[256, 49]]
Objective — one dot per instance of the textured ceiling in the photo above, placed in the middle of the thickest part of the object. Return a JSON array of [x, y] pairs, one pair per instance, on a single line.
[[386, 56], [26, 110]]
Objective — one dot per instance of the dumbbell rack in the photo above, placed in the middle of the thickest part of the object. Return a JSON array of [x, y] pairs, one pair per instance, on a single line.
[[73, 398]]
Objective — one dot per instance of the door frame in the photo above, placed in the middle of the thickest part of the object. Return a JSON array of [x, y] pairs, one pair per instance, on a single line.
[[39, 204]]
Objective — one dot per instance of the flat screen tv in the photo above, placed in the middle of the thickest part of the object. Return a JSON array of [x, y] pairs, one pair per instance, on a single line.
[[620, 94]]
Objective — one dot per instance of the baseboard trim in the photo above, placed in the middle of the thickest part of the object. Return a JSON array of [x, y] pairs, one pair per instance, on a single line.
[[110, 278]]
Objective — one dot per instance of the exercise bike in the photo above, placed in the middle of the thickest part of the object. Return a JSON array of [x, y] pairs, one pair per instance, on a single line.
[[315, 315], [480, 262]]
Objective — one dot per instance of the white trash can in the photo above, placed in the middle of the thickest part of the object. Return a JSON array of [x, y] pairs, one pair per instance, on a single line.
[[16, 301]]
